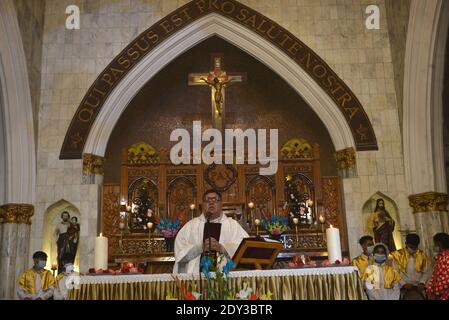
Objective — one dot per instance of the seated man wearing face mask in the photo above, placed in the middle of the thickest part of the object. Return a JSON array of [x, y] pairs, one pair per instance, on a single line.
[[61, 290], [36, 283], [381, 280], [413, 265], [362, 261]]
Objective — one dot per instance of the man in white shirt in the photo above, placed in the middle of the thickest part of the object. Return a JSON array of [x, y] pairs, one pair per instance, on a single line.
[[190, 240]]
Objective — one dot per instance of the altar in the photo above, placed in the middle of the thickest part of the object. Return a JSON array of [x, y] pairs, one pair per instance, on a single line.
[[330, 283]]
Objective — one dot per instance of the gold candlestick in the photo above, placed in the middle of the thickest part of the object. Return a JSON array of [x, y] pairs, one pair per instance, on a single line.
[[296, 221], [192, 211], [150, 226], [257, 223], [250, 218], [54, 267]]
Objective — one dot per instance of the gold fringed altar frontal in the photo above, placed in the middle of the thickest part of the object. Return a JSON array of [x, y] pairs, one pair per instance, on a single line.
[[341, 283]]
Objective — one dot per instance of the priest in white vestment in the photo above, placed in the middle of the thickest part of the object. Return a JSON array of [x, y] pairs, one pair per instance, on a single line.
[[189, 242]]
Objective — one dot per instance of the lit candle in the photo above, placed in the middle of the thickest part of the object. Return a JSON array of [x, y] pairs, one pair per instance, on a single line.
[[128, 208], [333, 244], [123, 203], [257, 222], [251, 205], [101, 253], [192, 206], [295, 220], [121, 225], [150, 225], [322, 219]]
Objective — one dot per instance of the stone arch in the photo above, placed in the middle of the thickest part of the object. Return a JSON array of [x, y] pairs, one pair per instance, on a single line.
[[392, 208], [19, 142], [110, 94], [423, 100], [51, 218], [3, 169]]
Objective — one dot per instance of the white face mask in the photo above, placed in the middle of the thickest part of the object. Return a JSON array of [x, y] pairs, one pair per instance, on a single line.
[[69, 268]]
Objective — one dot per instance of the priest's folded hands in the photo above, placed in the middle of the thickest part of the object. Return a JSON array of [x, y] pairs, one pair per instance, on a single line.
[[214, 246]]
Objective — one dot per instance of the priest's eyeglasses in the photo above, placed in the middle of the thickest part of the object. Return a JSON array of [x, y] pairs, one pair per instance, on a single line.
[[212, 200]]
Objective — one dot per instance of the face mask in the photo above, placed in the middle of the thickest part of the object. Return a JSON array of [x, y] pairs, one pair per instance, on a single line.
[[69, 268], [40, 264], [380, 258], [370, 250]]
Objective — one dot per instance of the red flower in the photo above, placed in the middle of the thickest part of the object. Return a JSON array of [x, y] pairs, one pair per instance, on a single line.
[[190, 296], [253, 297]]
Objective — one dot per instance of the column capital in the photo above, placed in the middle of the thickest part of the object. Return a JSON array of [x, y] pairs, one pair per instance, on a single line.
[[429, 202], [93, 168], [93, 164], [16, 213], [346, 162]]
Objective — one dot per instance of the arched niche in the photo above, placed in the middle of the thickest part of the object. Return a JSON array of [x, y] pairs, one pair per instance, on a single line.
[[51, 218], [391, 207]]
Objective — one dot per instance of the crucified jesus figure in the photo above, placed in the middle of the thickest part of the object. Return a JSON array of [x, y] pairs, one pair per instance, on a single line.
[[218, 97]]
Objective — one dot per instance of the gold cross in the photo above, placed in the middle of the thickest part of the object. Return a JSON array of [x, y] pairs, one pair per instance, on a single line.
[[217, 79]]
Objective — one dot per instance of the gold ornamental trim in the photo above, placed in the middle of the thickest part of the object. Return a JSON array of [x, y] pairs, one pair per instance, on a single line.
[[16, 213], [93, 164], [297, 148], [345, 159], [143, 153], [429, 202]]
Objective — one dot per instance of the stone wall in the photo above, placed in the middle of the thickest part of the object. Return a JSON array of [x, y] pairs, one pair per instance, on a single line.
[[30, 14], [398, 12], [334, 29]]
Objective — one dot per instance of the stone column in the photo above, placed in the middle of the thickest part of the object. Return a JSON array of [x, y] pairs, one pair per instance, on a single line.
[[93, 169], [346, 163], [15, 224], [93, 174], [430, 210]]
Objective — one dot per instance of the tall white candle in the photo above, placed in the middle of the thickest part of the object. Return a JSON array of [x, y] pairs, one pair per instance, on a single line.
[[101, 253], [333, 244]]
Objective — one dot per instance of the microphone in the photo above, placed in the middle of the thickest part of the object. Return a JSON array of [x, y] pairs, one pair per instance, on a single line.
[[208, 217]]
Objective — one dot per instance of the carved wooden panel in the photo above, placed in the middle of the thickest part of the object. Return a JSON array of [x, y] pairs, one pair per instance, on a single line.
[[261, 191], [151, 173], [110, 209], [138, 217], [225, 179], [332, 203], [180, 195], [135, 246]]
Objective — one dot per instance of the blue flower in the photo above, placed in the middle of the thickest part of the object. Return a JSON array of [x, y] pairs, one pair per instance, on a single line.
[[229, 265], [205, 265]]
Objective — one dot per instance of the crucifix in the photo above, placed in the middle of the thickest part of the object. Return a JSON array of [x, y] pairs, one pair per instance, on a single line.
[[217, 79]]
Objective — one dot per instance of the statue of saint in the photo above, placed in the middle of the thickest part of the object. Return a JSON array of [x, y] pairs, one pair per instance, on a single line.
[[218, 97], [382, 225], [67, 236]]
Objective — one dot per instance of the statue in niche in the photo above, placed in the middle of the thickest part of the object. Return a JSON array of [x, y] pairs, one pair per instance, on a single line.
[[67, 236], [382, 225]]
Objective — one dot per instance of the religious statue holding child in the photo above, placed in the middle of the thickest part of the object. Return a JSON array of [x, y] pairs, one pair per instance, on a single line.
[[67, 235]]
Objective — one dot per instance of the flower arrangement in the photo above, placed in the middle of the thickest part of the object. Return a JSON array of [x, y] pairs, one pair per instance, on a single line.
[[217, 285], [168, 225], [275, 224]]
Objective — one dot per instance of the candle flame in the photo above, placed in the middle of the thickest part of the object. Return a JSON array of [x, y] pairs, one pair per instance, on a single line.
[[101, 234], [331, 226]]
